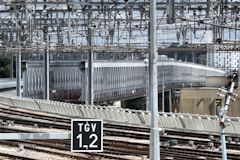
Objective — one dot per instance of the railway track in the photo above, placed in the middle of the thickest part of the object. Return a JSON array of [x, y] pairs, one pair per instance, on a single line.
[[125, 147], [121, 141]]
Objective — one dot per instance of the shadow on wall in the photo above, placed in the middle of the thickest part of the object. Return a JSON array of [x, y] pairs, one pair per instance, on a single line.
[[205, 101]]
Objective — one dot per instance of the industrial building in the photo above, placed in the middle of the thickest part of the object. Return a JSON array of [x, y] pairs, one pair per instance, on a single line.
[[226, 60]]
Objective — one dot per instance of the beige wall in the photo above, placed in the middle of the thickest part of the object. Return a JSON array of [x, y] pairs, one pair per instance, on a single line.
[[203, 101]]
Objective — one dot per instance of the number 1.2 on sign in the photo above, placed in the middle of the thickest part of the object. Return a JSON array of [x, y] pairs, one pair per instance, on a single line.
[[87, 135]]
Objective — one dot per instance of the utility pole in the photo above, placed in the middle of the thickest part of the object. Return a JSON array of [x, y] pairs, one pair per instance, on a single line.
[[153, 85], [229, 95]]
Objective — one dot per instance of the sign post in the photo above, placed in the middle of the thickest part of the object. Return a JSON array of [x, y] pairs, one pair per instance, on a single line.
[[86, 135], [229, 95]]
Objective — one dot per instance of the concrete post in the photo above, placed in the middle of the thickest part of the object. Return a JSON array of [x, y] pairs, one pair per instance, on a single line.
[[153, 86]]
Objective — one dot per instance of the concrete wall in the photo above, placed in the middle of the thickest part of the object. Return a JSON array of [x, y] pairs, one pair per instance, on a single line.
[[205, 101]]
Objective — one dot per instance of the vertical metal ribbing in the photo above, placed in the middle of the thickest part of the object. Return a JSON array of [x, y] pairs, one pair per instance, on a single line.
[[163, 91], [46, 74], [90, 58], [11, 66], [18, 72], [90, 69], [25, 84], [90, 78], [170, 100], [153, 86], [18, 63], [146, 84]]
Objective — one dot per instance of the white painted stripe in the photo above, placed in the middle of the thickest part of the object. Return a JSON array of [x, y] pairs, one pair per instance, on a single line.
[[30, 136]]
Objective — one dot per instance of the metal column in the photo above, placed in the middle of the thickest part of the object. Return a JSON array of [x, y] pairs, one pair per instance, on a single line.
[[170, 11], [46, 60], [229, 95], [223, 143], [18, 71], [163, 97], [11, 66], [223, 114], [146, 84], [153, 86], [90, 64], [25, 84], [208, 9], [46, 74], [90, 78], [18, 62], [170, 100]]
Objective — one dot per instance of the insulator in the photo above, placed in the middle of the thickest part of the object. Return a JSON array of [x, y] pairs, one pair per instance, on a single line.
[[219, 94]]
